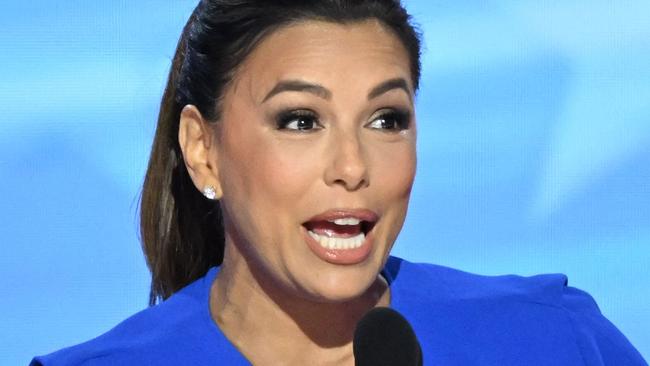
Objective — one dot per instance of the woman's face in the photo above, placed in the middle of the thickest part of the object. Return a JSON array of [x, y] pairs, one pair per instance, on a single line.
[[316, 156]]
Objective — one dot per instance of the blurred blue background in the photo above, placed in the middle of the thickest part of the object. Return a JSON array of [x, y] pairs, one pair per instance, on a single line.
[[534, 154]]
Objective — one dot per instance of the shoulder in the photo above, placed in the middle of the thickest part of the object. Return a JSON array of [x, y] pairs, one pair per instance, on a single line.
[[600, 341], [506, 314], [147, 336], [439, 283]]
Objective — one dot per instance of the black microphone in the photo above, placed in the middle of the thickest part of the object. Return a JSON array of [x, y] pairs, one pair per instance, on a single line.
[[384, 338]]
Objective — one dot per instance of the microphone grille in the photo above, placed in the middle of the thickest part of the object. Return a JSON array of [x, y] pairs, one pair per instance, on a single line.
[[383, 337]]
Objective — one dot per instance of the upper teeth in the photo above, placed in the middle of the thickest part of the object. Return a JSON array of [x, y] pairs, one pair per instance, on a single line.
[[347, 221]]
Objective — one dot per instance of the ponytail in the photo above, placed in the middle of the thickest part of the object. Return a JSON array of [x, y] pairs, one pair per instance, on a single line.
[[181, 231]]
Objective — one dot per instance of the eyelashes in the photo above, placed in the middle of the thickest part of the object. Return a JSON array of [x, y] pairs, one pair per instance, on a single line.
[[298, 120], [391, 120], [304, 120]]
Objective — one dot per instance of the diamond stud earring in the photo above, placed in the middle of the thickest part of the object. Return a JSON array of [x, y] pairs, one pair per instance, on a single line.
[[209, 192]]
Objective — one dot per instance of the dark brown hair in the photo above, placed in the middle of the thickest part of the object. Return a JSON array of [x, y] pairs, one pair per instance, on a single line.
[[182, 231]]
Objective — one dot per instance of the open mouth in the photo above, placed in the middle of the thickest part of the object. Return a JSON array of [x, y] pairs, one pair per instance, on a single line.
[[340, 232]]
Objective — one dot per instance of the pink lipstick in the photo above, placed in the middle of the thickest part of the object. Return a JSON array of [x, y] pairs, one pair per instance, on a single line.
[[341, 236]]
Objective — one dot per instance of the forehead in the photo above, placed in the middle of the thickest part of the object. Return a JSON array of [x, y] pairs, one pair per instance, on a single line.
[[330, 54]]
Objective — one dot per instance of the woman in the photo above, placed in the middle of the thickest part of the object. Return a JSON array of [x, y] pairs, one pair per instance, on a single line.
[[279, 179]]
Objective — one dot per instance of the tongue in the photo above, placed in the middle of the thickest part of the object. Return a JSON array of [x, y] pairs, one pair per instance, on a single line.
[[327, 228]]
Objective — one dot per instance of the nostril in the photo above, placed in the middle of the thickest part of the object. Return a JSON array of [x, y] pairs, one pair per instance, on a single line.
[[351, 183]]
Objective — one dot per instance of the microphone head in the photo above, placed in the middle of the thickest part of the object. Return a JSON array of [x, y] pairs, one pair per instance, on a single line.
[[384, 338]]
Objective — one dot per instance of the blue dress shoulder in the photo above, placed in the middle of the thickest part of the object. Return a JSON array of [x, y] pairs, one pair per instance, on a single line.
[[458, 317]]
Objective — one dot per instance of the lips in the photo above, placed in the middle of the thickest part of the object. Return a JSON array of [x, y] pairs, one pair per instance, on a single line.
[[342, 223], [341, 236]]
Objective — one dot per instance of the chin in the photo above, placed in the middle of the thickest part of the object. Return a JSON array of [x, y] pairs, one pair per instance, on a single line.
[[341, 287]]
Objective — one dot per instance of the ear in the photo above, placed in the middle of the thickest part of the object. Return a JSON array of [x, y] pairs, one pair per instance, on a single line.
[[197, 142]]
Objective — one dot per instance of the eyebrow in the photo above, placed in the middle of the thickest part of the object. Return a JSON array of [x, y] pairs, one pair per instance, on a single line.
[[388, 85], [322, 92], [298, 86]]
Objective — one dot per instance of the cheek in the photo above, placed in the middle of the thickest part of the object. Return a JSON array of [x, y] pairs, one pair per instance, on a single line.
[[290, 171], [393, 168], [394, 172], [263, 184], [264, 172]]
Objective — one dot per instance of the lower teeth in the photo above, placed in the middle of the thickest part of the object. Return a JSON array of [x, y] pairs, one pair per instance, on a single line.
[[338, 243]]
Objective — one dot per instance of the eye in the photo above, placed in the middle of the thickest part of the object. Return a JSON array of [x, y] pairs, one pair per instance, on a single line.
[[298, 120], [391, 120]]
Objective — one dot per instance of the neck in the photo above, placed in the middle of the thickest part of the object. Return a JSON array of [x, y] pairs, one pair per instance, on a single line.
[[269, 324]]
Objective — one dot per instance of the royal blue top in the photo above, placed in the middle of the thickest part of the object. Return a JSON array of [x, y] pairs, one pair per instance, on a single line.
[[458, 317]]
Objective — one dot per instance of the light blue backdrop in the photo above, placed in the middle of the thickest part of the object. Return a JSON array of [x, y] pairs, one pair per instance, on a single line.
[[534, 154]]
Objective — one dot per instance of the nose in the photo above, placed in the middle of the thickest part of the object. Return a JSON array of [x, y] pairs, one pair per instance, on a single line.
[[347, 165]]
